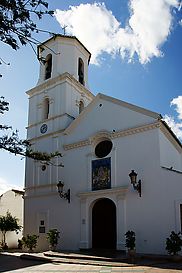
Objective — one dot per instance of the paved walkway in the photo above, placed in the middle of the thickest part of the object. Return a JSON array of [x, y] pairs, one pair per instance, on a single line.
[[37, 262]]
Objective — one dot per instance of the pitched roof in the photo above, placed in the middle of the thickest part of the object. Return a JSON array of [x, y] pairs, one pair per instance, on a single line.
[[132, 107], [116, 101], [172, 134], [65, 36]]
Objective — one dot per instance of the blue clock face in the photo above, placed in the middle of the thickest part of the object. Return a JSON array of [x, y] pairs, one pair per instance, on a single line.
[[43, 128]]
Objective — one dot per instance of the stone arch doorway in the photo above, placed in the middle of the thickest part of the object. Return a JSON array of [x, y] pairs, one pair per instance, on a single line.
[[104, 224]]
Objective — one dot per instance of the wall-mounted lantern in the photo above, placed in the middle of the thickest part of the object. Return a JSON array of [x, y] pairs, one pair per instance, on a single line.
[[136, 185], [62, 193]]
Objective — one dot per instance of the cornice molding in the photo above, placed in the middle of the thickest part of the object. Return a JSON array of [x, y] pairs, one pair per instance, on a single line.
[[48, 194], [111, 135], [35, 191], [121, 191], [53, 134], [40, 186], [76, 145], [135, 130], [102, 135], [47, 120], [65, 77]]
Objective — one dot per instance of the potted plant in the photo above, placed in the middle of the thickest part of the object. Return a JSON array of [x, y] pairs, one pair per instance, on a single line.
[[52, 238], [174, 244], [30, 241], [130, 243], [20, 243]]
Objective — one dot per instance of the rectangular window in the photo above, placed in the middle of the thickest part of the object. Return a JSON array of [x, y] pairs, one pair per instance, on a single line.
[[41, 229], [42, 226], [101, 174]]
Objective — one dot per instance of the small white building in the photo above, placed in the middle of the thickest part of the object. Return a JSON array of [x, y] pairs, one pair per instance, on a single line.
[[101, 139], [12, 201]]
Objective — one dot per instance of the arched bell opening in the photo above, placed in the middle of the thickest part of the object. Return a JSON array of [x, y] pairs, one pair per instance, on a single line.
[[81, 71]]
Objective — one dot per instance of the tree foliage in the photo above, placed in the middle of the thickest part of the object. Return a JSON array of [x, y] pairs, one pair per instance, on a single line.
[[14, 145], [8, 223], [17, 20]]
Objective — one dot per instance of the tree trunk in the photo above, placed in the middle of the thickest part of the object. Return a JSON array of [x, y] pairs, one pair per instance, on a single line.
[[4, 238]]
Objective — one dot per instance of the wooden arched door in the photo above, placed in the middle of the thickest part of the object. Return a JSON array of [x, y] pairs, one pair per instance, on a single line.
[[104, 224]]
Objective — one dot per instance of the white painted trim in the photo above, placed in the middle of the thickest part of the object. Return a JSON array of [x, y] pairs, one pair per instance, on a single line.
[[169, 136], [115, 101], [111, 135], [47, 120], [130, 106], [117, 190], [131, 131], [65, 77]]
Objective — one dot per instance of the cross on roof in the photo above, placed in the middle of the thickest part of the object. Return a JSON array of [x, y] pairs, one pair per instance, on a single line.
[[64, 29]]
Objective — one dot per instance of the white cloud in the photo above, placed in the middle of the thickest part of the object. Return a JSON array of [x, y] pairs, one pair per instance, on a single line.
[[176, 124], [5, 186], [96, 27], [178, 103], [93, 24]]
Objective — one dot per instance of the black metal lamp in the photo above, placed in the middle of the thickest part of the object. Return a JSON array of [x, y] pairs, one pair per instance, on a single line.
[[63, 194], [136, 185]]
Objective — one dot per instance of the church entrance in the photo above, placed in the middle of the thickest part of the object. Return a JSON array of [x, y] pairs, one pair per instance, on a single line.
[[104, 224]]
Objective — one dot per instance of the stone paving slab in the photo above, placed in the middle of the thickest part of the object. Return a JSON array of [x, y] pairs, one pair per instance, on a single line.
[[72, 260], [8, 263], [74, 255]]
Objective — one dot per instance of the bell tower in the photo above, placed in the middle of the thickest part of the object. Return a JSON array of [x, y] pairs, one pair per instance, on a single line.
[[59, 97], [62, 91], [62, 54]]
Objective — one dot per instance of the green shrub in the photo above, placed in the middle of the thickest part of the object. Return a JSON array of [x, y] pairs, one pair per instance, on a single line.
[[20, 244], [130, 239], [174, 243], [52, 237], [30, 241]]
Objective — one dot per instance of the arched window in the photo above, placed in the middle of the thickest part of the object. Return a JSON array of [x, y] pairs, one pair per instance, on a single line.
[[81, 106], [48, 66], [46, 108], [81, 71]]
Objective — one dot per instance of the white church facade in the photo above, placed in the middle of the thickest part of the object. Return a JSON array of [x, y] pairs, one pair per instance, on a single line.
[[102, 139]]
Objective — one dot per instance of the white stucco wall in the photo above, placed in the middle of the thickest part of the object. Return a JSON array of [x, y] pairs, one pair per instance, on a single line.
[[139, 151], [64, 98], [107, 116], [12, 201], [65, 54], [138, 144], [169, 155]]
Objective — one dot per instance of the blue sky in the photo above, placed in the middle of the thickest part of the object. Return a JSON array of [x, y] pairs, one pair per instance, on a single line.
[[137, 57]]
